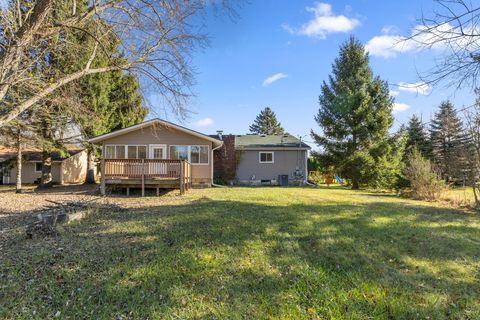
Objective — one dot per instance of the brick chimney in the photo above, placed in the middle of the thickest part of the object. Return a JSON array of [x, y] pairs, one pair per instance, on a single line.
[[224, 159]]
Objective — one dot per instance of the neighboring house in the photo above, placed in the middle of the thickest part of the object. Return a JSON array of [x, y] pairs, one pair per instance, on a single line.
[[261, 159], [156, 154], [70, 170]]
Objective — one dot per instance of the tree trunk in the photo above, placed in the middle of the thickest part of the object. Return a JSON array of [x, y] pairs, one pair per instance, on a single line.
[[46, 179], [356, 173], [355, 184], [90, 179], [18, 187], [475, 195]]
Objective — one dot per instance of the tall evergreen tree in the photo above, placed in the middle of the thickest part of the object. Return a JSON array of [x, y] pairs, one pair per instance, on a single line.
[[112, 101], [355, 115], [448, 141], [417, 136], [266, 123]]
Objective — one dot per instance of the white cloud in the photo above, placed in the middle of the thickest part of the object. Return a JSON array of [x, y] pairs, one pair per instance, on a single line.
[[388, 46], [391, 43], [323, 22], [390, 29], [394, 93], [205, 122], [275, 77], [399, 107], [418, 88]]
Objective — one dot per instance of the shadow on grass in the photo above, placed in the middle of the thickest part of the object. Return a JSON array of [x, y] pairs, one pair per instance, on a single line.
[[233, 259]]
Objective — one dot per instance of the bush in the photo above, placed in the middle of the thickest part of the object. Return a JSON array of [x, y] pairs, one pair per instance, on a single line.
[[425, 182], [317, 178]]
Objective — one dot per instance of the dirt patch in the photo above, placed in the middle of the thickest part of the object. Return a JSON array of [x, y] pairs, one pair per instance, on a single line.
[[17, 210], [33, 199]]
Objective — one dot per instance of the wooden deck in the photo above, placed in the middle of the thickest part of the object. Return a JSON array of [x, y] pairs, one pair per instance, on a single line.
[[146, 173]]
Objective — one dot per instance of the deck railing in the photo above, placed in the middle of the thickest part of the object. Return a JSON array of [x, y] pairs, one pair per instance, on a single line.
[[156, 169]]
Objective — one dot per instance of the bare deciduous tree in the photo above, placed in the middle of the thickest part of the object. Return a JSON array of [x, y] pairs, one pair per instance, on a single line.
[[472, 124], [156, 40], [454, 29]]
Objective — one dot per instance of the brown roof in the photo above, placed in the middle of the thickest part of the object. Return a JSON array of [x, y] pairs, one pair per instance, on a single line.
[[151, 122], [6, 153]]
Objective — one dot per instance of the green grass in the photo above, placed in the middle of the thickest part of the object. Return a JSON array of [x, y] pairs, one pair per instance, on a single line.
[[460, 196], [252, 253]]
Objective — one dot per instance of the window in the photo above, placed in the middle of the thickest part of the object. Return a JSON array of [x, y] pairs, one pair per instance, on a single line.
[[157, 153], [114, 152], [179, 152], [38, 167], [199, 154], [137, 152], [109, 152], [142, 152], [194, 154], [132, 152], [5, 171], [266, 157]]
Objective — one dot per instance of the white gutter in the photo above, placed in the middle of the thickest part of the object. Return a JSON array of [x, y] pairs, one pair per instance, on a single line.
[[218, 186]]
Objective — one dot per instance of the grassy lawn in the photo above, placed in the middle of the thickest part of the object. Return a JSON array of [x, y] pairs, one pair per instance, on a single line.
[[252, 253], [461, 196]]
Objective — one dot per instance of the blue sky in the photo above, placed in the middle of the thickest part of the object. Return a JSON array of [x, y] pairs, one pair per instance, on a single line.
[[278, 52]]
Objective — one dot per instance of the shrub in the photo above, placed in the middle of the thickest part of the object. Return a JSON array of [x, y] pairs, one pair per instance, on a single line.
[[425, 182], [315, 177]]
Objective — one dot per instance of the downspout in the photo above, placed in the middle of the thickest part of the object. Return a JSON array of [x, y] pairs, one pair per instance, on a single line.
[[306, 166]]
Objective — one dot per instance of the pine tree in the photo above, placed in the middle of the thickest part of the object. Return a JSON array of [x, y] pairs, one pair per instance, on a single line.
[[114, 102], [266, 123], [355, 115], [448, 141], [417, 136]]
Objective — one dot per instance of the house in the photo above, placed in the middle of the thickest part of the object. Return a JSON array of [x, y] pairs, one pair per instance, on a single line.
[[69, 170], [156, 154], [261, 160], [160, 154]]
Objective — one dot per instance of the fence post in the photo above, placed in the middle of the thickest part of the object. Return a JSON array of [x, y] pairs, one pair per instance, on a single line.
[[182, 185], [143, 177], [189, 175], [102, 185]]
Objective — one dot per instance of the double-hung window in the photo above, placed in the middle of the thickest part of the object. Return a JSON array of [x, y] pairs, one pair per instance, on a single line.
[[266, 157]]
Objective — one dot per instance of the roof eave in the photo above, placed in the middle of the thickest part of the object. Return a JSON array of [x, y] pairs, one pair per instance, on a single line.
[[98, 139], [272, 148]]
